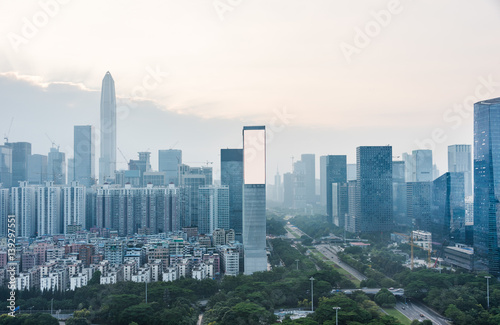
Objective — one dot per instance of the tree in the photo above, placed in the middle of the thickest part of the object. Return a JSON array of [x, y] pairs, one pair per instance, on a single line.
[[140, 313], [385, 298], [455, 314], [96, 278], [247, 313]]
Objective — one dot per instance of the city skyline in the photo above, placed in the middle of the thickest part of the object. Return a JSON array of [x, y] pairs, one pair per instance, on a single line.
[[229, 161]]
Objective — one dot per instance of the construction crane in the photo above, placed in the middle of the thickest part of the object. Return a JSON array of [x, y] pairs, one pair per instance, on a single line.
[[52, 141], [413, 244], [173, 146], [121, 153], [6, 135], [199, 162]]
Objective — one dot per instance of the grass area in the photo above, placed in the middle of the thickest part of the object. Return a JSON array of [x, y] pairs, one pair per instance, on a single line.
[[396, 314]]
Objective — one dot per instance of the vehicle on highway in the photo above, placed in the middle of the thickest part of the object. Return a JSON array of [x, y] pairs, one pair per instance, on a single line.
[[422, 315]]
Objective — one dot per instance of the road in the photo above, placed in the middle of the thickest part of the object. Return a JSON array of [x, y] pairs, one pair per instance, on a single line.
[[414, 310], [331, 253], [292, 229]]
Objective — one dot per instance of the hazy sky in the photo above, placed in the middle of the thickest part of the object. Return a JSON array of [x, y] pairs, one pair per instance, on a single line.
[[325, 75]]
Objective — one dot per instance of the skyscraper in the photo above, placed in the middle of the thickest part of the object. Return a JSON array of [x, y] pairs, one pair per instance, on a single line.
[[254, 199], [278, 187], [141, 166], [4, 211], [459, 161], [71, 170], [374, 188], [418, 204], [419, 166], [351, 172], [213, 208], [49, 209], [107, 160], [56, 167], [487, 181], [399, 192], [448, 208], [309, 161], [191, 178], [37, 169], [74, 207], [23, 207], [168, 162], [231, 166], [288, 190], [6, 166], [322, 181], [84, 156], [299, 185], [21, 151], [335, 172]]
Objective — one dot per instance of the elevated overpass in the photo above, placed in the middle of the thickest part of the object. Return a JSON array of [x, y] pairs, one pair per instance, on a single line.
[[372, 291]]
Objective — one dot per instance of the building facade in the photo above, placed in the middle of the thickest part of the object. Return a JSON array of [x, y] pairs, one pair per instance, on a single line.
[[84, 155], [374, 188], [254, 199], [487, 182]]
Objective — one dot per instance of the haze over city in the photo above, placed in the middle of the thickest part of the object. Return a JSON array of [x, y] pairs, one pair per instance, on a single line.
[[219, 69]]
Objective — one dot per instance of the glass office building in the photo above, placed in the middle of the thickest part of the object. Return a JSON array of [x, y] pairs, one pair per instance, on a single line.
[[374, 188], [459, 160], [231, 162], [168, 162], [418, 204], [448, 208], [254, 199], [334, 171], [21, 151], [487, 181], [84, 155]]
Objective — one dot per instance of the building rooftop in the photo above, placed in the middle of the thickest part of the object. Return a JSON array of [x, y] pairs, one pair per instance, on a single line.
[[491, 101], [466, 250]]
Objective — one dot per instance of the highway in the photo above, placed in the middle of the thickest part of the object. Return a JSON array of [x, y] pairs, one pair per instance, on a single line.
[[331, 253], [414, 310]]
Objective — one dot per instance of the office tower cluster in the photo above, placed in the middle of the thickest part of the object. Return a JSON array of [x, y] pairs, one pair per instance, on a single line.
[[384, 193], [50, 196]]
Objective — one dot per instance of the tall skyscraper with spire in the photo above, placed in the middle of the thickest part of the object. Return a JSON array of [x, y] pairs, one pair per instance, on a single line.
[[107, 160]]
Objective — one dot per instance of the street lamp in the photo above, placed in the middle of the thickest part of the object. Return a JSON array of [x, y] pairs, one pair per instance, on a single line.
[[488, 289], [297, 261], [336, 315], [312, 294]]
